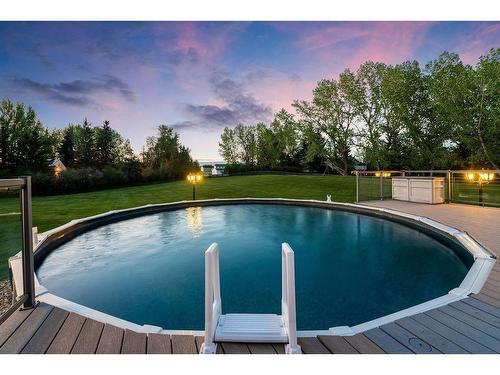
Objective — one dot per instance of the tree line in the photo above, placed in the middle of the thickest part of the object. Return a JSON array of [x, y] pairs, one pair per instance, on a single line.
[[442, 116], [95, 156]]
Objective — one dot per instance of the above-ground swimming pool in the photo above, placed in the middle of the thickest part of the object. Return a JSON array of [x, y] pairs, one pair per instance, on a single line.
[[349, 268]]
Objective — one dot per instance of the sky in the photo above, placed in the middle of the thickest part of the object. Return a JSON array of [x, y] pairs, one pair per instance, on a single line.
[[200, 77]]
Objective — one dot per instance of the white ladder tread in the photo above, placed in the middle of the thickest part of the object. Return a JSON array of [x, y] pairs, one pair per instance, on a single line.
[[251, 328]]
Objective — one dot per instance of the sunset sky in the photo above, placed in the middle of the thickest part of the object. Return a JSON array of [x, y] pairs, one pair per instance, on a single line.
[[201, 77]]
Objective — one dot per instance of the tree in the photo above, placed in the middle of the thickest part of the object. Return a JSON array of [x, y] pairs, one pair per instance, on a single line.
[[165, 154], [85, 145], [66, 150], [368, 106], [228, 147], [268, 150], [285, 129], [247, 144], [25, 145]]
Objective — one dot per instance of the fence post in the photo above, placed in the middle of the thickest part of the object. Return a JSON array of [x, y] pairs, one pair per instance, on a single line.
[[357, 186], [381, 186], [27, 240], [450, 194]]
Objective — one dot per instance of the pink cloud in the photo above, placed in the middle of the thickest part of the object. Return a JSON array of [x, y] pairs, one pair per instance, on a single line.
[[473, 45], [351, 44]]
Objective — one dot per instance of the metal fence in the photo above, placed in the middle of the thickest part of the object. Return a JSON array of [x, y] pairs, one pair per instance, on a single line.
[[476, 187], [16, 223]]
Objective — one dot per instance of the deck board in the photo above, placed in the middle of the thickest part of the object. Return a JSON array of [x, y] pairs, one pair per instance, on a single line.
[[465, 329], [408, 339], [337, 345], [183, 344], [363, 344], [472, 321], [134, 342], [482, 306], [67, 335], [477, 313], [88, 339], [261, 348], [436, 340], [8, 327], [234, 348], [458, 338], [16, 342], [111, 340], [386, 342], [40, 342], [311, 345], [159, 344]]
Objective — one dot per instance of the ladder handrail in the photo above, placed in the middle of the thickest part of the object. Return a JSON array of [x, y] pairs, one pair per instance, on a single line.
[[288, 311], [213, 303]]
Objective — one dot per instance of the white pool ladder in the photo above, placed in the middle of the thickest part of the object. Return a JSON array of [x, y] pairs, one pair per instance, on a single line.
[[262, 328]]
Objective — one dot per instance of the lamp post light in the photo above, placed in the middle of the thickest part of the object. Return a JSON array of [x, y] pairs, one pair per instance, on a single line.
[[194, 178], [480, 178]]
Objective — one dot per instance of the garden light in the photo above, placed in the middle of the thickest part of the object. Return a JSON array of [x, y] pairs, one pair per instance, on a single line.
[[480, 178], [194, 178]]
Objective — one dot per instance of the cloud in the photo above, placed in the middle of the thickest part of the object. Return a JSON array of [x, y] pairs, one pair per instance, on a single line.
[[238, 106], [349, 44], [77, 92]]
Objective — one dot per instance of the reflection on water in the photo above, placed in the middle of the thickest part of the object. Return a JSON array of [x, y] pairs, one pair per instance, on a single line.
[[194, 220]]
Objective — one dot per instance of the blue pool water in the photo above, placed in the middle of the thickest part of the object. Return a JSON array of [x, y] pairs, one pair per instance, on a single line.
[[350, 268]]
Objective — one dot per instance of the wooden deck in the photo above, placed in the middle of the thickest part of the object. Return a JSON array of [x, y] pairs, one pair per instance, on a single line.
[[471, 325]]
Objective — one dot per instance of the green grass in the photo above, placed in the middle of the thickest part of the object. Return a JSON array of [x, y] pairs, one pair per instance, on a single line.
[[52, 211]]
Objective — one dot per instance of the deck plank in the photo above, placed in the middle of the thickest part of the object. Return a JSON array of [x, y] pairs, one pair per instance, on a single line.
[[492, 310], [408, 339], [234, 348], [363, 344], [261, 348], [111, 340], [486, 299], [17, 341], [159, 343], [386, 342], [477, 313], [134, 342], [88, 339], [458, 338], [41, 341], [8, 327], [337, 344], [67, 335], [311, 345], [465, 329], [481, 325], [280, 348], [183, 344], [442, 344]]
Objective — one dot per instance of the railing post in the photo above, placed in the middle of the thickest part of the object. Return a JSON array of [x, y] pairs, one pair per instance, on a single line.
[[27, 242], [381, 186], [450, 192], [212, 298], [288, 311], [357, 186]]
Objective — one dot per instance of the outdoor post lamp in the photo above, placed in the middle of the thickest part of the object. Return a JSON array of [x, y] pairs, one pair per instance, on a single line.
[[480, 179], [194, 178]]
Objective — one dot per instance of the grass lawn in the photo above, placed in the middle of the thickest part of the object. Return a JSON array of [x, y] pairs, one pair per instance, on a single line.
[[52, 211]]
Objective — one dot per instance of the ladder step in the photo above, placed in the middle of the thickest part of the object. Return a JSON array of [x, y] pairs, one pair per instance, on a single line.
[[251, 328]]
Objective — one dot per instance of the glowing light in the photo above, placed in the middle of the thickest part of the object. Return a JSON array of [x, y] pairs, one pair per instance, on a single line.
[[194, 178]]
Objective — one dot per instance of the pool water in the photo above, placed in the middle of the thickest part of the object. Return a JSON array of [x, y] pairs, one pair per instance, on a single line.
[[350, 268]]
